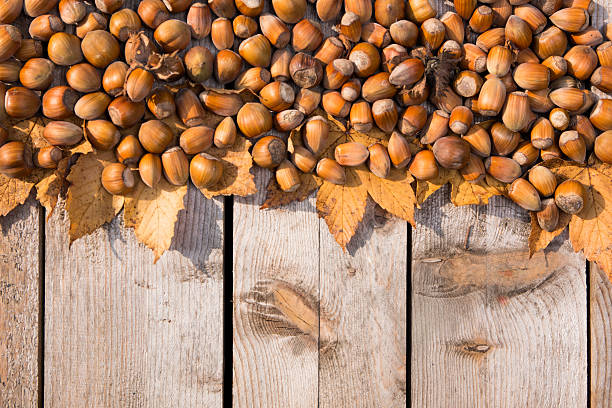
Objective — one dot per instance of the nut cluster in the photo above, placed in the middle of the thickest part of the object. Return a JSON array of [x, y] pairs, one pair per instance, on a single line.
[[509, 80]]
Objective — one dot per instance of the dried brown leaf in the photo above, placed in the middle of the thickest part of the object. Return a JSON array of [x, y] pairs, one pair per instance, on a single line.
[[466, 193], [424, 189], [88, 204], [394, 193], [13, 192], [591, 229], [539, 239], [153, 212], [343, 206], [277, 198], [237, 177]]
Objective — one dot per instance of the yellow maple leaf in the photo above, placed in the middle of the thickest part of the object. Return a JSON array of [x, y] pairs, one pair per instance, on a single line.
[[424, 189], [343, 206], [88, 204], [394, 193], [591, 229], [237, 178], [465, 193], [13, 192], [276, 197], [153, 212], [539, 238]]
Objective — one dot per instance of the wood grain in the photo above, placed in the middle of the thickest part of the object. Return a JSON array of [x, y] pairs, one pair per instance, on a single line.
[[363, 296], [600, 304], [275, 361], [122, 331], [489, 326], [19, 273]]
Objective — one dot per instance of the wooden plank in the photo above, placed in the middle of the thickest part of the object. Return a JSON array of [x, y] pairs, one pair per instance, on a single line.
[[600, 303], [489, 326], [363, 301], [121, 331], [275, 295], [19, 280]]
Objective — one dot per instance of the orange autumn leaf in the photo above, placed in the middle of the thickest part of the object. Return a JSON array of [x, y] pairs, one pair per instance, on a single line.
[[276, 197], [590, 230], [424, 189], [394, 193], [466, 193], [237, 178], [343, 206], [88, 204], [539, 238], [153, 212]]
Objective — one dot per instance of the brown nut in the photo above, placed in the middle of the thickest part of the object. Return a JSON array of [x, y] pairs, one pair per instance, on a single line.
[[161, 103], [114, 78], [176, 166], [65, 49], [196, 139], [43, 27], [153, 12], [288, 177], [269, 152], [58, 102], [102, 134], [548, 216], [47, 157], [93, 21], [21, 103], [150, 169], [205, 170], [524, 194], [225, 133], [351, 154], [129, 151], [100, 48], [155, 136], [502, 168], [379, 162], [15, 159], [199, 20], [543, 180], [570, 196], [399, 150], [173, 35], [305, 70], [424, 166], [254, 119], [61, 133], [123, 23], [125, 113], [37, 74], [315, 134], [188, 107], [91, 106], [331, 171]]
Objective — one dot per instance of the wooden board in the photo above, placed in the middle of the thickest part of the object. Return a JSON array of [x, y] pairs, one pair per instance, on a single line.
[[275, 295], [489, 326], [287, 351], [122, 331], [19, 299], [363, 298], [601, 338]]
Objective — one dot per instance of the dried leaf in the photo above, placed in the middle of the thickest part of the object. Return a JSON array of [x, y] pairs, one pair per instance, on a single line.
[[88, 204], [539, 239], [13, 192], [394, 193], [343, 206], [47, 192], [237, 178], [466, 193], [152, 212], [424, 189], [591, 229], [277, 197]]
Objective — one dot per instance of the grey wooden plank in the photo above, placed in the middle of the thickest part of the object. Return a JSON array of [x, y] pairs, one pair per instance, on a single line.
[[489, 326], [600, 303], [19, 306], [363, 300], [122, 331], [275, 295]]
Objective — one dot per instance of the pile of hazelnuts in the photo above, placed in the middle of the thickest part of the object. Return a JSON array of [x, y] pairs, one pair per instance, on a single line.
[[510, 82]]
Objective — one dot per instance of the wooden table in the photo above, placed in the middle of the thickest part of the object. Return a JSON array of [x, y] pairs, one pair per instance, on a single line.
[[454, 310]]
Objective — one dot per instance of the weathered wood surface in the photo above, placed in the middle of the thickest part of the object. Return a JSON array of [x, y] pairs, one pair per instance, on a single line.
[[19, 302], [489, 326], [601, 338], [122, 331], [275, 296], [313, 325], [364, 299]]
